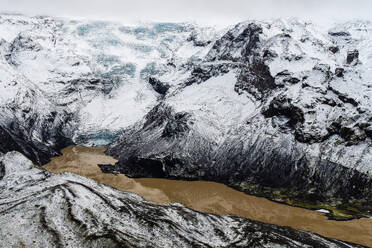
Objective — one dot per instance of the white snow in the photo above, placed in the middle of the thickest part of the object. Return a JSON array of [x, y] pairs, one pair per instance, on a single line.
[[15, 162], [216, 102], [324, 211], [127, 106]]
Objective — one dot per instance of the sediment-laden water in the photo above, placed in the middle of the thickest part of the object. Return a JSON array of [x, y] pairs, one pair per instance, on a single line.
[[209, 197]]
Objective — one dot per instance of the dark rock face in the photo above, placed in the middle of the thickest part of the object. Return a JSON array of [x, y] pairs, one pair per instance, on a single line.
[[238, 51], [197, 42], [284, 77], [18, 138], [177, 125], [351, 134], [159, 86], [7, 143], [281, 106], [344, 97], [157, 116], [341, 33], [203, 72], [47, 210], [165, 138], [339, 72], [234, 46], [256, 80], [281, 169], [2, 168], [352, 56], [368, 131], [38, 135], [334, 49]]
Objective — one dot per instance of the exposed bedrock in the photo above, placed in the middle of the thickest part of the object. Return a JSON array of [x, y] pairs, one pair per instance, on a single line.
[[21, 136], [159, 86], [40, 209], [256, 80], [352, 57], [40, 124]]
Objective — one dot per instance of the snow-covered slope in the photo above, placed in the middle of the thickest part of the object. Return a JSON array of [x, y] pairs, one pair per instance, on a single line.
[[278, 108], [91, 76]]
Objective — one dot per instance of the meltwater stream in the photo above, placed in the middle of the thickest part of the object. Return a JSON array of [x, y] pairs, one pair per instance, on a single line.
[[209, 197]]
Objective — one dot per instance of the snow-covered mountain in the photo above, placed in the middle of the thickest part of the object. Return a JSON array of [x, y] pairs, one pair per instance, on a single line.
[[277, 108], [280, 109], [84, 81]]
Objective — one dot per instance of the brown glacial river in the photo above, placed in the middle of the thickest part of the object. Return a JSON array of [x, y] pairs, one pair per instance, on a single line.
[[209, 197]]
